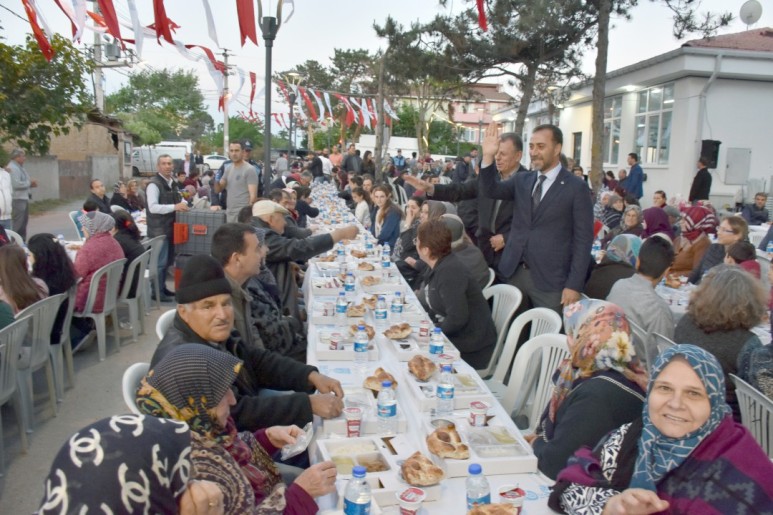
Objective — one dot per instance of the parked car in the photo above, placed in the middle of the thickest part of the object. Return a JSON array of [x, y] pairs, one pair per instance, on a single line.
[[213, 161]]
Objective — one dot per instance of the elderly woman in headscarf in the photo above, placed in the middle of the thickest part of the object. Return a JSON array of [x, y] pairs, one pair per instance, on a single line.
[[99, 249], [619, 262], [193, 384], [656, 222], [631, 223], [112, 466], [613, 213], [697, 223], [464, 250], [119, 197], [598, 388], [684, 455], [601, 204], [281, 334]]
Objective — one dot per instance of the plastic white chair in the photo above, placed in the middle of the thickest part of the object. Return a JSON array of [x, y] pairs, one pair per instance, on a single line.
[[543, 321], [74, 215], [506, 299], [151, 272], [756, 413], [36, 352], [11, 338], [491, 276], [111, 272], [644, 345], [15, 237], [130, 382], [135, 303], [164, 322], [62, 351], [116, 208], [662, 343], [532, 376]]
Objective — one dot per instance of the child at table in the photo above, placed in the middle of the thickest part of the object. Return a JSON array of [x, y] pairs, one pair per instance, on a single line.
[[743, 254]]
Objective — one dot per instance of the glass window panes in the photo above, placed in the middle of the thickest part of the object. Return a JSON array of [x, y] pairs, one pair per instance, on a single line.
[[653, 124], [605, 141], [665, 137], [615, 141], [668, 96], [613, 108], [617, 106], [656, 99], [642, 107], [641, 127]]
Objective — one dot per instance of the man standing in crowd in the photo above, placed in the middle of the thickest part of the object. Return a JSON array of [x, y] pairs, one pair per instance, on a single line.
[[352, 162], [336, 158], [21, 183], [634, 183], [547, 252], [399, 160], [327, 165], [756, 214], [281, 165], [97, 196], [247, 156], [462, 169], [701, 183], [163, 201], [493, 216], [240, 179], [6, 199], [315, 167]]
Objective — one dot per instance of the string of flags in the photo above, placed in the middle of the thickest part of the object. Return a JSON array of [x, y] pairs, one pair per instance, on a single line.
[[314, 105]]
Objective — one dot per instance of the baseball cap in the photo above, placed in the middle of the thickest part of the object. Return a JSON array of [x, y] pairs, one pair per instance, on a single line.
[[267, 207], [247, 145]]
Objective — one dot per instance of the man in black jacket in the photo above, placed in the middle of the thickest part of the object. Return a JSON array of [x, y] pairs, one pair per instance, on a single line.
[[701, 183], [205, 315], [98, 196]]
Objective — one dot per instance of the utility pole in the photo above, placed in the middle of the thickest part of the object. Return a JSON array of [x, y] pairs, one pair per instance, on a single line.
[[380, 120], [112, 52], [226, 98], [99, 93]]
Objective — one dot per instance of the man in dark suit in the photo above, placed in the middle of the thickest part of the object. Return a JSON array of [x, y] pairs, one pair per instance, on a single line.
[[701, 184], [547, 252], [493, 216]]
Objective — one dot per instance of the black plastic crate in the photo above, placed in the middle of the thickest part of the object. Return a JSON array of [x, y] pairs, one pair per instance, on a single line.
[[193, 231]]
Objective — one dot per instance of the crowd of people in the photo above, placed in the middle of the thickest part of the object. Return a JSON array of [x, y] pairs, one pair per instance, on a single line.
[[660, 420]]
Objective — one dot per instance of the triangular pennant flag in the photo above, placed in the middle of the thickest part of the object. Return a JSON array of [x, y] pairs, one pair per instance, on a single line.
[[210, 22], [40, 37], [307, 99], [245, 11], [111, 20]]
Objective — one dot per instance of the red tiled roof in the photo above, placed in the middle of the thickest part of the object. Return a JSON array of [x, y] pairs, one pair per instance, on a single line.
[[759, 40]]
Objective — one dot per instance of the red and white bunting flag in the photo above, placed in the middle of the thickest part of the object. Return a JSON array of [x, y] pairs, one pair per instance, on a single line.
[[242, 79], [388, 109], [253, 80], [327, 103], [210, 22], [111, 20], [40, 37], [245, 11], [283, 89], [67, 10], [79, 8], [320, 106], [139, 34], [482, 16], [373, 111], [162, 22], [350, 114], [307, 100]]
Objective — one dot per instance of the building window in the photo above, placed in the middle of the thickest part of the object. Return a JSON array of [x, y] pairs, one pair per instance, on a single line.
[[610, 147], [653, 124], [577, 147]]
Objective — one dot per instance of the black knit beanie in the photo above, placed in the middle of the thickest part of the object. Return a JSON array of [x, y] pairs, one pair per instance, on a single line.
[[202, 277]]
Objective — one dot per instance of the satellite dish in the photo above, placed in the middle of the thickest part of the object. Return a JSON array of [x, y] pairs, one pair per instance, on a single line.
[[750, 12]]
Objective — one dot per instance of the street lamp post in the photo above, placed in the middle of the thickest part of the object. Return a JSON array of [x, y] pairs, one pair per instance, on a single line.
[[458, 131], [480, 125], [269, 26], [293, 78]]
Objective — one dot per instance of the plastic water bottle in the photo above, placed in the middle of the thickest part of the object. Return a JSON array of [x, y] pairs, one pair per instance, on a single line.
[[445, 393], [340, 252], [60, 238], [361, 348], [349, 284], [596, 248], [368, 245], [478, 490], [357, 494], [341, 306], [381, 312], [769, 248], [386, 256], [397, 308], [436, 343], [387, 409]]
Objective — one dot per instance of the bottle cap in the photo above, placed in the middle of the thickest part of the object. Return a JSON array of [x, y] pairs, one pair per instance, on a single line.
[[386, 384], [474, 468], [446, 368], [359, 471], [360, 327], [381, 297]]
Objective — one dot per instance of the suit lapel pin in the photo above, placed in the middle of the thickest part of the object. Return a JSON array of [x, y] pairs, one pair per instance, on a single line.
[[562, 182]]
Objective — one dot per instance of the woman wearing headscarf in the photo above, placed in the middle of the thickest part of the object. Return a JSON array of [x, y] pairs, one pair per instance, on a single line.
[[193, 384], [656, 222], [619, 262], [599, 387], [99, 249], [601, 204], [613, 213], [684, 455], [697, 223], [128, 464], [281, 334], [631, 223], [119, 197]]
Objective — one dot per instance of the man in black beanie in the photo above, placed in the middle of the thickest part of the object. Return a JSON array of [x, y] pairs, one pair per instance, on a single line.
[[205, 315]]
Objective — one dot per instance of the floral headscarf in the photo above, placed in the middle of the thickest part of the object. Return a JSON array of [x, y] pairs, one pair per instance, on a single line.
[[96, 222], [656, 220], [624, 248], [599, 340], [120, 464], [699, 220], [660, 454], [188, 384]]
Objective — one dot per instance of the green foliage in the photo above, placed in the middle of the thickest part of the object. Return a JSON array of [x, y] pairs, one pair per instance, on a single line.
[[409, 118], [41, 99], [162, 104], [239, 130]]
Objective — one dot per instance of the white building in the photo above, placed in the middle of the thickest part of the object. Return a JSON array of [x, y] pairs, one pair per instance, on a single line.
[[719, 88]]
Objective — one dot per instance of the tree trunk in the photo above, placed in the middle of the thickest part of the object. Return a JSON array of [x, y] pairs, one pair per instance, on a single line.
[[379, 151], [599, 87], [527, 88]]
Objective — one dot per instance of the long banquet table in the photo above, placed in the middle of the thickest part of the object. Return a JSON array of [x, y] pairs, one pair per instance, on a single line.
[[451, 498]]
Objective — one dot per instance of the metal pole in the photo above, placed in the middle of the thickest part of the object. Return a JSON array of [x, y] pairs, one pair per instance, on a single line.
[[99, 93], [290, 131], [225, 104], [270, 29]]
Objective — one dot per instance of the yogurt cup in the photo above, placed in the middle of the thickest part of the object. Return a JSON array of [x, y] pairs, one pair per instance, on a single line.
[[353, 421], [478, 410], [410, 500], [336, 341], [512, 494]]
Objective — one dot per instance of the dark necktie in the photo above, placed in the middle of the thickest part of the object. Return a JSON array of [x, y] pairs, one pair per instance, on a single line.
[[537, 195]]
